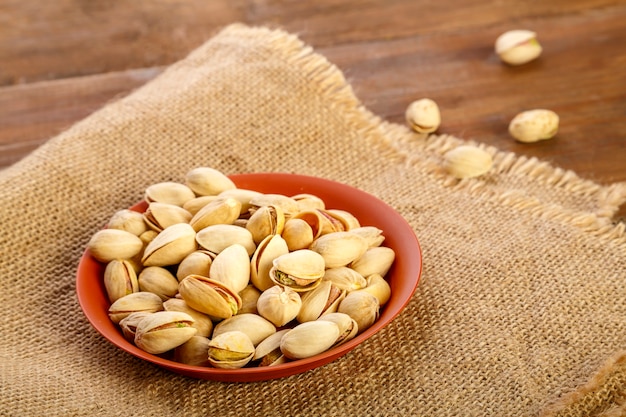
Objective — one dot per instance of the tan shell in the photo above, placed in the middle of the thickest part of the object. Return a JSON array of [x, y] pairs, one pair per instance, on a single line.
[[158, 216], [218, 237], [373, 235], [170, 246], [194, 352], [159, 281], [298, 234], [339, 248], [423, 115], [320, 222], [243, 196], [279, 305], [379, 288], [202, 322], [196, 263], [347, 219], [120, 279], [134, 303], [309, 339], [288, 205], [345, 278], [230, 350], [348, 327], [209, 296], [220, 211], [169, 192], [249, 297], [196, 204], [309, 202], [254, 326], [262, 261], [129, 324], [376, 260], [163, 331], [301, 270], [517, 47], [268, 351], [362, 307], [208, 181], [109, 244], [265, 221], [232, 267], [534, 125], [467, 161], [129, 221], [322, 300]]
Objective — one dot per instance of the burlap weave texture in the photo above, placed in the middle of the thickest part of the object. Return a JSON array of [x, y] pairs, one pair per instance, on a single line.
[[521, 309]]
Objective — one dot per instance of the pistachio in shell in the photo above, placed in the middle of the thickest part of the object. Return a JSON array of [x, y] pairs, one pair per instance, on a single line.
[[219, 211], [249, 298], [266, 220], [163, 331], [279, 305], [339, 248], [120, 279], [129, 221], [362, 306], [196, 263], [194, 352], [218, 237], [132, 303], [268, 353], [300, 270], [309, 339], [348, 327], [298, 234], [169, 192], [254, 326], [232, 267], [323, 299], [202, 322], [170, 246], [109, 244], [230, 350], [375, 260], [129, 324], [209, 296], [208, 181], [262, 260], [158, 280], [159, 216]]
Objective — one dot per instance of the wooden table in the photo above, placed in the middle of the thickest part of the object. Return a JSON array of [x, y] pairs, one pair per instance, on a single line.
[[62, 60]]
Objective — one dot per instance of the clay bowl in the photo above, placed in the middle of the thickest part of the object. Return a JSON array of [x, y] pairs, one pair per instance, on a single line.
[[403, 276]]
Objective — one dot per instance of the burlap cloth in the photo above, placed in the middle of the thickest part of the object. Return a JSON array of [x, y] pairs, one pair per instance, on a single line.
[[521, 310]]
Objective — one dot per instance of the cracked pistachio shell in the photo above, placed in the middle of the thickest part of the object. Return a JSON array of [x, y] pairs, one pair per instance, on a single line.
[[377, 260], [467, 162], [345, 278], [309, 339], [196, 263], [279, 305], [268, 351], [209, 296], [232, 267], [265, 221], [163, 331], [348, 327], [218, 237], [347, 219], [158, 216], [254, 326], [202, 322], [298, 234], [373, 235], [288, 205], [109, 244], [362, 307], [339, 248], [195, 204], [169, 192], [219, 211], [261, 263], [159, 281], [534, 125], [323, 299], [129, 221], [517, 47], [230, 350], [133, 303], [194, 351], [243, 196], [320, 222], [120, 279], [208, 181], [170, 246], [423, 116], [249, 298], [301, 270], [379, 288], [309, 202], [129, 324]]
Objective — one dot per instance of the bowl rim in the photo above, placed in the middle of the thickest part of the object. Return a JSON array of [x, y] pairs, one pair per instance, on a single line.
[[249, 374]]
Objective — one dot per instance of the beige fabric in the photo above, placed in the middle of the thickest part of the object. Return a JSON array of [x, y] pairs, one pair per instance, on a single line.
[[522, 298]]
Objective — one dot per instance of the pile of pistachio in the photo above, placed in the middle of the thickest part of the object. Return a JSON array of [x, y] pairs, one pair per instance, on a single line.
[[214, 275]]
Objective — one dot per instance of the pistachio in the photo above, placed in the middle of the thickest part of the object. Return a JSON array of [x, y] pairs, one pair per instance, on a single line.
[[170, 246], [339, 248], [363, 307], [279, 305], [109, 244], [202, 322], [268, 351], [254, 326], [309, 202], [467, 161], [208, 181], [230, 350], [309, 339], [243, 196], [348, 327], [133, 303], [423, 116], [193, 352], [376, 260], [163, 331], [159, 281], [196, 263], [232, 267], [301, 270], [249, 298], [345, 278], [209, 296], [379, 288], [128, 220], [219, 211], [169, 192], [218, 237], [266, 220], [120, 279], [517, 47], [534, 125], [288, 205], [129, 324], [321, 300], [158, 216], [262, 261], [298, 234]]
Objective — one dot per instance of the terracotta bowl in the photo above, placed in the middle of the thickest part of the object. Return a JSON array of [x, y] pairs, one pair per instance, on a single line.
[[403, 276]]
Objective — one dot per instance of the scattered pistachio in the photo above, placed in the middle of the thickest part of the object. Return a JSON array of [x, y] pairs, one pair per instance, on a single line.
[[517, 47], [423, 116], [467, 161], [534, 125]]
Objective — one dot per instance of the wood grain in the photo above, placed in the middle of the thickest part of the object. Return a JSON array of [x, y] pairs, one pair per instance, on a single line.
[[62, 60]]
